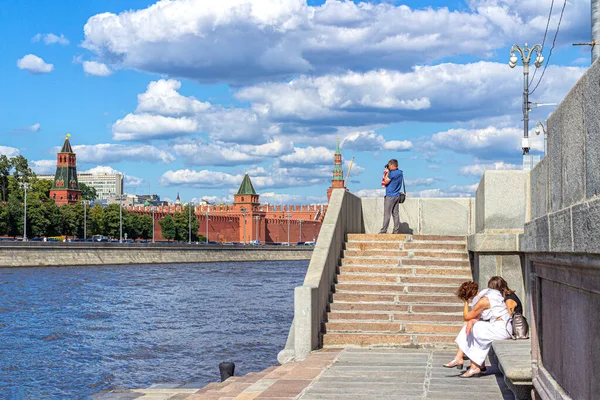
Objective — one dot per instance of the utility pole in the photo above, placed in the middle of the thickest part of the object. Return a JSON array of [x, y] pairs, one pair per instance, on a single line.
[[526, 54], [189, 223], [595, 30], [152, 208], [25, 215], [256, 218], [288, 215], [121, 219], [207, 215], [85, 204], [300, 236], [244, 211]]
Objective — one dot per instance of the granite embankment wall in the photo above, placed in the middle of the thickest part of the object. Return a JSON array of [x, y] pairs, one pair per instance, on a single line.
[[82, 254]]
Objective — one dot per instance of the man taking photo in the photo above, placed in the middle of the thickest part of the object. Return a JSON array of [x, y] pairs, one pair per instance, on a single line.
[[393, 183]]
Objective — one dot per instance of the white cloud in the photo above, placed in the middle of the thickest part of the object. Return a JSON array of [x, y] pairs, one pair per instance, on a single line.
[[371, 141], [200, 152], [453, 191], [113, 153], [34, 64], [133, 181], [96, 69], [162, 98], [366, 193], [147, 126], [32, 128], [50, 38], [247, 40], [477, 170], [308, 156], [423, 181], [43, 166], [446, 92], [285, 199], [487, 142], [9, 151]]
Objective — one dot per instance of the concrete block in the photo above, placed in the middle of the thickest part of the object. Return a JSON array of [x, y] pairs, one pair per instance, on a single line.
[[487, 266], [542, 235], [573, 146], [586, 223], [539, 189], [493, 243], [512, 272], [561, 235], [306, 322], [445, 216], [555, 170], [480, 206], [372, 211], [591, 108]]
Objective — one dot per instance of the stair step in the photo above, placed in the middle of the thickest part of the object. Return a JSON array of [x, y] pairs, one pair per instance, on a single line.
[[363, 278], [394, 298], [439, 238], [438, 246], [375, 253], [395, 288], [403, 271], [441, 254], [436, 263], [396, 308], [382, 246], [379, 339], [376, 237], [392, 316], [396, 327]]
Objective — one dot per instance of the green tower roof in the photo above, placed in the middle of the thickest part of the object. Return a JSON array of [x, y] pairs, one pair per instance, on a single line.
[[66, 146], [246, 186]]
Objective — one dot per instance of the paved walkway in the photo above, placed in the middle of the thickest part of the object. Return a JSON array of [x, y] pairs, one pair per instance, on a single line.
[[354, 374]]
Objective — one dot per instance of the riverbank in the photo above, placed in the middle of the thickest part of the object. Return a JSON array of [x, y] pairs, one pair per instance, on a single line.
[[44, 254]]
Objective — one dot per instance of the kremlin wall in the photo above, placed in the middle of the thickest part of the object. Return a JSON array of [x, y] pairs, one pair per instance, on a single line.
[[243, 221]]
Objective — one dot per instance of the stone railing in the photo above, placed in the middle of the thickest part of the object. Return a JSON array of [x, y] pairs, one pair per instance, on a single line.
[[343, 216]]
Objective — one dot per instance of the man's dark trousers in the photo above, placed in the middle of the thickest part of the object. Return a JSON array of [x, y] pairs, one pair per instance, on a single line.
[[391, 207]]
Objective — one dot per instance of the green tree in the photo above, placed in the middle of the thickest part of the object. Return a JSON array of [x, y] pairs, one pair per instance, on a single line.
[[88, 192], [21, 173], [182, 225], [37, 223], [132, 225], [96, 220], [167, 225], [146, 223], [111, 225], [52, 214], [3, 219], [14, 215], [5, 167], [70, 220], [42, 188]]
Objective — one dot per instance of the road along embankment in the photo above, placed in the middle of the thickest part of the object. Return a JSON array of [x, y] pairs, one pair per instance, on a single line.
[[40, 254]]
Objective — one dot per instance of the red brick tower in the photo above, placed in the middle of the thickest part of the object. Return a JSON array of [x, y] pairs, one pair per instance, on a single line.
[[246, 197], [338, 173], [65, 187]]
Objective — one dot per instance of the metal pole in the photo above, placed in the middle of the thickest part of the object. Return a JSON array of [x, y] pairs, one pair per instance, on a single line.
[[120, 219], [207, 227], [25, 216], [189, 224], [595, 30], [84, 220], [288, 228], [152, 224], [300, 237], [244, 228], [526, 106]]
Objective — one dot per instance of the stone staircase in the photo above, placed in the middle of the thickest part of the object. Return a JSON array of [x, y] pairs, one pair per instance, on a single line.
[[398, 290]]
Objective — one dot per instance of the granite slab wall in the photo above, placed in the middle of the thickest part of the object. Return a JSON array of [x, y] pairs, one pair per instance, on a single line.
[[423, 216], [561, 248]]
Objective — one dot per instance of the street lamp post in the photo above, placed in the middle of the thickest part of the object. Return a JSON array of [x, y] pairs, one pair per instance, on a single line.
[[121, 219], [189, 223], [25, 214], [207, 215], [85, 204], [256, 218], [152, 209], [244, 211], [300, 236], [288, 215], [526, 54]]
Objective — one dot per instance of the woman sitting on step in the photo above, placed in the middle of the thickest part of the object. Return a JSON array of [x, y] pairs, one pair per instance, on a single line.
[[486, 322]]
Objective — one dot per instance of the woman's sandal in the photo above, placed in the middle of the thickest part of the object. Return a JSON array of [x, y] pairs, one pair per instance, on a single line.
[[454, 364], [471, 373]]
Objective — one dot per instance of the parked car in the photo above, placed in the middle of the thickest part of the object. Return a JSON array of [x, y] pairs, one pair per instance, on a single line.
[[255, 242], [285, 243], [310, 243]]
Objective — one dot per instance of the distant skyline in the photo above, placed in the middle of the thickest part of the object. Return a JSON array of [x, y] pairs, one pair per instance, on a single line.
[[187, 96]]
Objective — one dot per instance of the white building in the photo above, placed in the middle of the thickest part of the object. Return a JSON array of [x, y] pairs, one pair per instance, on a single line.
[[107, 185]]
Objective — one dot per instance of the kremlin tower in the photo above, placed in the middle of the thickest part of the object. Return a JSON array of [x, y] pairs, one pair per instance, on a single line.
[[65, 188], [338, 173]]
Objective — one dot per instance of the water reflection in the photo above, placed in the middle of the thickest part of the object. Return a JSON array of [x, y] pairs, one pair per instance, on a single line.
[[71, 332]]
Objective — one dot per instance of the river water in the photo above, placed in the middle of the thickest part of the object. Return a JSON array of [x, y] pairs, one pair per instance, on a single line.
[[70, 332]]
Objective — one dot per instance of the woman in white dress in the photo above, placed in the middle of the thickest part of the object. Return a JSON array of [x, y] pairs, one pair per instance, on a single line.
[[486, 322]]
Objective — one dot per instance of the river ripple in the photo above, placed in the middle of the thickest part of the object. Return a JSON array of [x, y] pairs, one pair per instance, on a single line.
[[69, 332]]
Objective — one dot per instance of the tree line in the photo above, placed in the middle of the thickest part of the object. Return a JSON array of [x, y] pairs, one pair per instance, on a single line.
[[45, 218]]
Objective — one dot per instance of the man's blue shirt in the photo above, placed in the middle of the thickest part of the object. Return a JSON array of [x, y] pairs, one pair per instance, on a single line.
[[393, 188]]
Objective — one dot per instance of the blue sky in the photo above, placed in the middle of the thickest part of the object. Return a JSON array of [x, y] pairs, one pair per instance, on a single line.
[[189, 95]]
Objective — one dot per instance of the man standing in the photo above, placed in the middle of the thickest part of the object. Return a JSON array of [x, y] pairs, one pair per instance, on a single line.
[[393, 184]]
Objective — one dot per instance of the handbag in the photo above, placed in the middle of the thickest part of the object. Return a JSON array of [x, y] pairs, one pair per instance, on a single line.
[[403, 193], [520, 327]]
